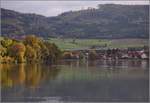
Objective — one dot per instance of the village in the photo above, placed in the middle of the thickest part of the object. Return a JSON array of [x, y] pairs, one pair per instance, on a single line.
[[107, 53]]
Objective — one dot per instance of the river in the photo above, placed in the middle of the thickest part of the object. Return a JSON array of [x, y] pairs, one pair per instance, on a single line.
[[76, 81]]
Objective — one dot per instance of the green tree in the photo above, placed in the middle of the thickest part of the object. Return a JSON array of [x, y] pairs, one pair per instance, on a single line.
[[92, 55], [53, 52]]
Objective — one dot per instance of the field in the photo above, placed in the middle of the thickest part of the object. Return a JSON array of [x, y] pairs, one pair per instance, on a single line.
[[66, 44]]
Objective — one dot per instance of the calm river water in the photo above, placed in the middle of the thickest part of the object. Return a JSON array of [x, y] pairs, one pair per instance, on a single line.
[[76, 81]]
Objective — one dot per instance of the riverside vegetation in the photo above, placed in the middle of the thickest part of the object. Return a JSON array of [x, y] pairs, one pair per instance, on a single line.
[[28, 49], [35, 49]]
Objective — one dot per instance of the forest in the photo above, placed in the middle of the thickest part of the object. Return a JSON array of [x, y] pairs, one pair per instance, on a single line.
[[107, 21]]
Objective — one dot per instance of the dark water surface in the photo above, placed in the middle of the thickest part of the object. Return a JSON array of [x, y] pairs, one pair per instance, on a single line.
[[76, 81]]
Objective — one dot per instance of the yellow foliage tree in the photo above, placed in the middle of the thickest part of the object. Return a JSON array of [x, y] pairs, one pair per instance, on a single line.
[[18, 51], [30, 53]]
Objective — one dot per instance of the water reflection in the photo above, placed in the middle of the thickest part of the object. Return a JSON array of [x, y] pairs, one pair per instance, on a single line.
[[123, 80], [26, 75]]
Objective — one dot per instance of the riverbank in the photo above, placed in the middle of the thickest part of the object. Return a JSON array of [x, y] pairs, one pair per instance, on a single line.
[[32, 49]]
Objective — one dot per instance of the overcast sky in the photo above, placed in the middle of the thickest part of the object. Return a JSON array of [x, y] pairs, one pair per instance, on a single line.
[[53, 8]]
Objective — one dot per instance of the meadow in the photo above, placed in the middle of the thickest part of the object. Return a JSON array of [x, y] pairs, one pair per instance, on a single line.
[[66, 44]]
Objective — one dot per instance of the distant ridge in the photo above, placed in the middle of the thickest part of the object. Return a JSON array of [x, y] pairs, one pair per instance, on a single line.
[[108, 21]]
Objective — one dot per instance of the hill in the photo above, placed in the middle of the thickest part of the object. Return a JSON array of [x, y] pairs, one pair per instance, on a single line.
[[108, 21]]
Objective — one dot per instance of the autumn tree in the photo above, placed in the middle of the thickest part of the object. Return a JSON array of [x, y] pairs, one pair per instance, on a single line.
[[34, 42], [30, 54], [30, 49], [3, 51], [17, 51], [6, 42], [31, 40]]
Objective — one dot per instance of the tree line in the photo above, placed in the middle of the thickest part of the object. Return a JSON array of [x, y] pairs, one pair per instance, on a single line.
[[29, 49]]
